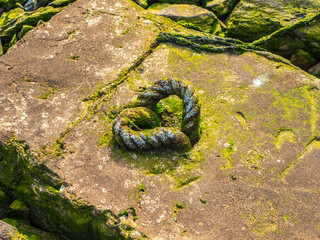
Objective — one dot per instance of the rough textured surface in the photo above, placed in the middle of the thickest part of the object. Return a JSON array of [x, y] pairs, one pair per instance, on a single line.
[[299, 42], [251, 19], [220, 7], [8, 232], [12, 23], [192, 2], [190, 100], [253, 174], [146, 139], [200, 17], [315, 70]]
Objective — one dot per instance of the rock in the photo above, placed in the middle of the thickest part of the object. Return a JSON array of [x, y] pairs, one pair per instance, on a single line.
[[4, 203], [24, 30], [20, 229], [8, 232], [60, 3], [301, 37], [12, 22], [256, 163], [31, 5], [315, 70], [10, 4], [42, 3], [303, 59], [251, 20], [13, 40], [190, 14], [142, 3], [18, 209], [190, 2], [1, 48], [220, 7]]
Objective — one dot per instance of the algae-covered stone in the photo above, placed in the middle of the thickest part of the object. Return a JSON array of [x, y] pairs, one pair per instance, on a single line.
[[315, 70], [12, 22], [142, 3], [24, 231], [1, 48], [9, 4], [252, 19], [8, 232], [191, 2], [299, 42], [60, 3], [24, 30], [4, 203], [197, 16], [18, 208], [220, 7], [13, 40], [303, 59]]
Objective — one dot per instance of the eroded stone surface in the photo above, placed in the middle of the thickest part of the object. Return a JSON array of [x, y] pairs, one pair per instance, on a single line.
[[45, 77], [253, 173], [248, 21], [220, 7], [198, 16], [237, 180], [8, 232]]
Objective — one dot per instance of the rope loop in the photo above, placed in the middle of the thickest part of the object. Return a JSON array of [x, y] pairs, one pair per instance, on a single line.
[[127, 126]]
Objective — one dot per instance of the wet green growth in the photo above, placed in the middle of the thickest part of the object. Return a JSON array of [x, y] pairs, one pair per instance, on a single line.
[[129, 211], [227, 153], [282, 31], [46, 95], [27, 79], [24, 30], [178, 207], [203, 200], [74, 58], [27, 232], [39, 188], [284, 135], [169, 110], [178, 165], [254, 159], [17, 22], [140, 190], [182, 182], [125, 31], [190, 25], [71, 32]]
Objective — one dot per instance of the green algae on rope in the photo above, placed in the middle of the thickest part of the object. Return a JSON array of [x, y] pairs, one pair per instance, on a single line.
[[126, 127]]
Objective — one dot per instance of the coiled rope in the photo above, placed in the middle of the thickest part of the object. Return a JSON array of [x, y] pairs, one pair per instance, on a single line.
[[126, 126]]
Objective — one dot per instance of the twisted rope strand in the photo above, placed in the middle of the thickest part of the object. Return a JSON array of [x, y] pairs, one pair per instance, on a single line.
[[159, 137]]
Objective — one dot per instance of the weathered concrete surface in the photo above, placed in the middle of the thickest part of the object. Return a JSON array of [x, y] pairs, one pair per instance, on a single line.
[[254, 174]]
